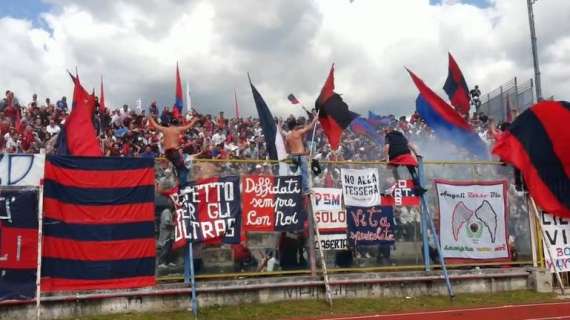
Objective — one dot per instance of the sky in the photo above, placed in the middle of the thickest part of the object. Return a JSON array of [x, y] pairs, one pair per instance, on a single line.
[[288, 46]]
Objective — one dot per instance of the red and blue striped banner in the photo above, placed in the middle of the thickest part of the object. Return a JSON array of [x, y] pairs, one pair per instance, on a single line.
[[98, 223]]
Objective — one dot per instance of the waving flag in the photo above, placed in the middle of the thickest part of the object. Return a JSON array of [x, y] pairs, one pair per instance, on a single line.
[[334, 115], [538, 144], [273, 138], [378, 120], [178, 103], [293, 99], [78, 136], [446, 123], [102, 98], [98, 223], [456, 88], [362, 127]]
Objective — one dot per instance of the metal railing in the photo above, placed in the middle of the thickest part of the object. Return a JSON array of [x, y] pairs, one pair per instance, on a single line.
[[219, 261], [519, 95]]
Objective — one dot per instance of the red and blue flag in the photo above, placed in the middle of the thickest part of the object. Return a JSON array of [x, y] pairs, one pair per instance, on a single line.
[[98, 223], [362, 127], [178, 102], [456, 88], [378, 120], [445, 122]]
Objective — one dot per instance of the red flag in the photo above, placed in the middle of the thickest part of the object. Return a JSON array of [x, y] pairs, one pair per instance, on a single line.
[[78, 136], [328, 88], [334, 115], [236, 104], [456, 88], [102, 99], [538, 144]]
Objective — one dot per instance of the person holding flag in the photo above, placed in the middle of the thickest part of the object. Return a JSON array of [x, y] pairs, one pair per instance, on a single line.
[[297, 151], [171, 146]]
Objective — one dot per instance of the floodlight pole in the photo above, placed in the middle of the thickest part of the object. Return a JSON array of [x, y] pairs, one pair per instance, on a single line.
[[537, 81]]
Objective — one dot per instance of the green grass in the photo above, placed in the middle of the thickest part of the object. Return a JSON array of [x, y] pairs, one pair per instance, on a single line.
[[316, 308]]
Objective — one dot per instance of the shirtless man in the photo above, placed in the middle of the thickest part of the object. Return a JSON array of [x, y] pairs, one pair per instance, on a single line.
[[171, 137], [297, 150]]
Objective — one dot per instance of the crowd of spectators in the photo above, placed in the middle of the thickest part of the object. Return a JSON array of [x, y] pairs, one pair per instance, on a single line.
[[32, 128], [125, 132]]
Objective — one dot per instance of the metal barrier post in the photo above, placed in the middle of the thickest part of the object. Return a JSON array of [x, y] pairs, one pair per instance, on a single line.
[[533, 237], [321, 253], [190, 277], [311, 223], [193, 280], [423, 220], [436, 240], [313, 228]]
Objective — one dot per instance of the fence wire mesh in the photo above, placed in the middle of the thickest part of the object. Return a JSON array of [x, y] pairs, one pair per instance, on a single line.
[[264, 252]]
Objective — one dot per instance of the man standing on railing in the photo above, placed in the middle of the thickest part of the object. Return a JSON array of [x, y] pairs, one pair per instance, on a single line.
[[170, 143], [297, 150], [399, 152]]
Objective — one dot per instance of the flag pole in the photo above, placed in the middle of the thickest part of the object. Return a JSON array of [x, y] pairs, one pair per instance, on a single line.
[[313, 135], [194, 300], [39, 258], [431, 226], [315, 227], [533, 230], [547, 244]]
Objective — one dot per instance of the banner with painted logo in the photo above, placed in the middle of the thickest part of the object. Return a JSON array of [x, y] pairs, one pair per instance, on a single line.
[[473, 219], [21, 169], [18, 243], [370, 226], [557, 232], [272, 203], [330, 218], [209, 211], [361, 187], [401, 193]]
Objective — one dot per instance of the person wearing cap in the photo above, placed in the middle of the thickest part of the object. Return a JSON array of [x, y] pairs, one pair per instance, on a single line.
[[399, 152]]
